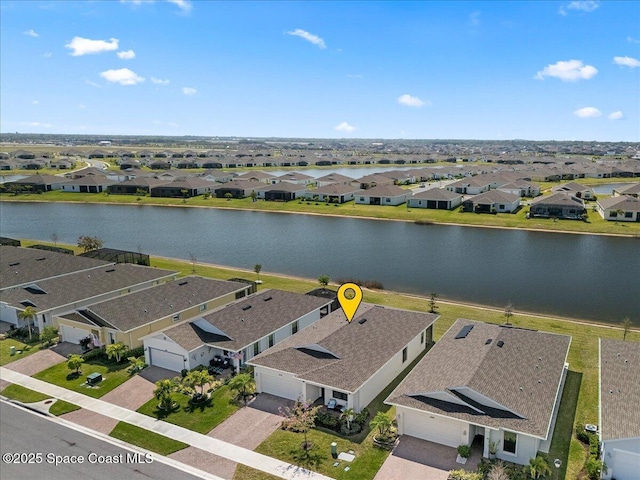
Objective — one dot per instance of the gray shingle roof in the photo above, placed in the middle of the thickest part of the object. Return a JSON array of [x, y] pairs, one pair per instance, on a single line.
[[523, 376], [385, 191], [82, 286], [493, 196], [362, 348], [335, 189], [623, 202], [559, 199], [151, 304], [619, 389], [436, 194], [270, 310], [26, 265]]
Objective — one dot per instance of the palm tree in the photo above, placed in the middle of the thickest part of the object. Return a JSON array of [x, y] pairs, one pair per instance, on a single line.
[[323, 280], [538, 467], [116, 350], [382, 422], [197, 378], [163, 393], [348, 416], [257, 269], [28, 314], [244, 384]]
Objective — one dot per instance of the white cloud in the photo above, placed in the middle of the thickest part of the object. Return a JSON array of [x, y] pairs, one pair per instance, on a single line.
[[345, 127], [126, 54], [616, 115], [31, 33], [159, 81], [85, 46], [183, 5], [411, 101], [93, 84], [474, 18], [123, 76], [632, 40], [47, 54], [310, 37], [587, 112], [189, 91], [626, 62], [585, 6], [569, 71]]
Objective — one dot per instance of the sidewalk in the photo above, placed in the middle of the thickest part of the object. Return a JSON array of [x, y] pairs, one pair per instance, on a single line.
[[217, 447]]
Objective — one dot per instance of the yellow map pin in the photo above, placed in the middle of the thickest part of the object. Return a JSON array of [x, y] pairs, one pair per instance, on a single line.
[[350, 297]]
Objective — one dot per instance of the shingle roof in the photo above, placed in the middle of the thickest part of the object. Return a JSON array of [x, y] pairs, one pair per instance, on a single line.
[[562, 199], [19, 266], [523, 375], [623, 202], [436, 194], [494, 196], [385, 191], [335, 189], [151, 304], [81, 286], [335, 178], [269, 310], [361, 348], [632, 188], [619, 389]]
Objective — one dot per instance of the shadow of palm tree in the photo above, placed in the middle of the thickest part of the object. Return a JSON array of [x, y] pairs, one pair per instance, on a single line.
[[161, 413], [193, 406]]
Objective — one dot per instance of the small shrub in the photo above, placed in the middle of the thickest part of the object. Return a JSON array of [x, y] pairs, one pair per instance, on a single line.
[[464, 451], [95, 354], [594, 468], [362, 417], [352, 430], [184, 372], [464, 475]]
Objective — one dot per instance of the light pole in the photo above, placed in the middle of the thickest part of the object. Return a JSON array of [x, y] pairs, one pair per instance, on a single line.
[[557, 463]]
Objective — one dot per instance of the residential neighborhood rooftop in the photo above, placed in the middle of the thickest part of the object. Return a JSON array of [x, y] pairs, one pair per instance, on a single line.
[[491, 375], [619, 389], [246, 321], [345, 354]]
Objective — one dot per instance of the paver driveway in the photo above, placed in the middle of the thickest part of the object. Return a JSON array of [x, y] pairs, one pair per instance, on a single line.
[[36, 362], [247, 428], [132, 394], [91, 420], [417, 459]]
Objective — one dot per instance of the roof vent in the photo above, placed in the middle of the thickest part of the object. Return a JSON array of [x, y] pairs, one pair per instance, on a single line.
[[40, 259], [500, 343], [464, 332], [34, 289], [28, 303], [489, 340], [14, 264], [111, 270], [246, 307], [362, 320], [267, 299], [183, 283]]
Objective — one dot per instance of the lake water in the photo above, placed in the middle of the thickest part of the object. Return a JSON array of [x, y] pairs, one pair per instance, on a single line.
[[581, 276]]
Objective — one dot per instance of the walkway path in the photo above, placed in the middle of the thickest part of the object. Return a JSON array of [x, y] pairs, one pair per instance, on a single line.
[[223, 449]]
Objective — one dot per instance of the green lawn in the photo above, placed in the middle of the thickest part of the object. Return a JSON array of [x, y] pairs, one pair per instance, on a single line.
[[112, 375], [5, 350], [595, 224], [202, 419], [25, 395], [145, 439]]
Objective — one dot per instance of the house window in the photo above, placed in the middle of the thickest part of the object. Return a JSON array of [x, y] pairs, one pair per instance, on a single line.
[[203, 307], [256, 348], [271, 340], [176, 318], [509, 442], [340, 395], [362, 199], [613, 214], [324, 311], [421, 338], [501, 207], [628, 214], [112, 337], [404, 354], [388, 200], [240, 294], [294, 327]]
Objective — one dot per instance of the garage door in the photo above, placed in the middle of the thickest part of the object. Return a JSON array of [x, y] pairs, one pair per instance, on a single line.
[[73, 334], [436, 429], [168, 360], [281, 386], [625, 465]]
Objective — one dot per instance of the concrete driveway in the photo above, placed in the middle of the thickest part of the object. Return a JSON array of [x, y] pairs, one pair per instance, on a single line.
[[248, 428], [413, 458], [132, 394]]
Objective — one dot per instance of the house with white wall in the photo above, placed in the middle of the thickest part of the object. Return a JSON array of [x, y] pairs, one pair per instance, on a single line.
[[390, 195], [237, 332], [624, 208], [619, 417], [350, 362], [495, 383]]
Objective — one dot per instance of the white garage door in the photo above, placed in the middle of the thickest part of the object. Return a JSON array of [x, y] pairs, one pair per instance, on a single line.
[[73, 334], [281, 386], [168, 360], [436, 429], [625, 465]]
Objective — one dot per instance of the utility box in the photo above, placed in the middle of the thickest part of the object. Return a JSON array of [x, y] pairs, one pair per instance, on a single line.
[[94, 378], [12, 350], [334, 449]]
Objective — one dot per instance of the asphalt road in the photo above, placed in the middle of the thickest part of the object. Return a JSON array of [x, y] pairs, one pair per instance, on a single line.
[[23, 435]]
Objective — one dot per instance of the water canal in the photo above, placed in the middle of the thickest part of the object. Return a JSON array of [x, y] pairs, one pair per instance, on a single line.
[[589, 277]]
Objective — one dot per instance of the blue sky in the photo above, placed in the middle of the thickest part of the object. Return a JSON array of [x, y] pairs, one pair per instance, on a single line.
[[433, 70]]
